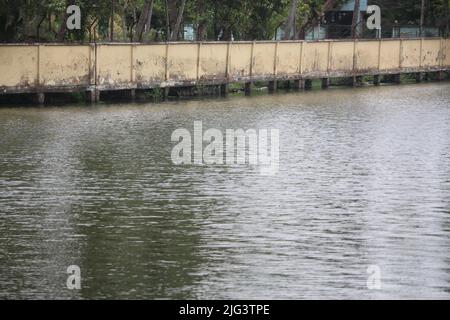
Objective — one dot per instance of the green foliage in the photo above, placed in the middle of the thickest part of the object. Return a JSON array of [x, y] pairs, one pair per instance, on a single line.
[[37, 20]]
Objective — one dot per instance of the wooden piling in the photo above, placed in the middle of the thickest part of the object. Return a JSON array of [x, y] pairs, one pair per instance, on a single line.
[[357, 81], [298, 84], [166, 93], [224, 90], [376, 79], [92, 96], [308, 84], [40, 98], [248, 88], [272, 86], [419, 77]]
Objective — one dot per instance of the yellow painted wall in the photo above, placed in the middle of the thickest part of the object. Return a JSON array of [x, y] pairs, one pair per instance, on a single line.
[[446, 53], [367, 53], [410, 56], [113, 65], [149, 63], [213, 61], [18, 66], [341, 56], [430, 53], [182, 62], [264, 59], [389, 55], [240, 59], [128, 65], [288, 58], [64, 65], [315, 57]]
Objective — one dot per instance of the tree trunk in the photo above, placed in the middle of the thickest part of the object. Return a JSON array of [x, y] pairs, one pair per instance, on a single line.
[[148, 24], [145, 17], [227, 33], [447, 22], [38, 29], [124, 26], [63, 29], [422, 17], [202, 31], [355, 20], [167, 20], [202, 21], [329, 4], [49, 22], [111, 32], [176, 28], [291, 20], [172, 14]]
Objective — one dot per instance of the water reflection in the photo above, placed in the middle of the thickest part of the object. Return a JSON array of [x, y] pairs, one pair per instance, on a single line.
[[364, 179]]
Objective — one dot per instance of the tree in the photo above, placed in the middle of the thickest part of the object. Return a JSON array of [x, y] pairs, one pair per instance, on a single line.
[[144, 18], [266, 16], [355, 19], [313, 12], [177, 25], [24, 20], [63, 28], [201, 12], [422, 17], [290, 23], [446, 17]]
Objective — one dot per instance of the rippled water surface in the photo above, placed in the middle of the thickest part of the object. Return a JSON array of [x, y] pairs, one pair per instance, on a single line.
[[364, 180]]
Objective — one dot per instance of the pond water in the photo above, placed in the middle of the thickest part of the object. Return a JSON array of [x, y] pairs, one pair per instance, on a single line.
[[363, 180]]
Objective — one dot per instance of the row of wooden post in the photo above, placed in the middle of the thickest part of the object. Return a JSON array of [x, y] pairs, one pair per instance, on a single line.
[[93, 96]]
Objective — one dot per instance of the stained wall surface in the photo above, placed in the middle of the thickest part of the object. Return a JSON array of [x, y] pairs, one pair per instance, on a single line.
[[116, 66]]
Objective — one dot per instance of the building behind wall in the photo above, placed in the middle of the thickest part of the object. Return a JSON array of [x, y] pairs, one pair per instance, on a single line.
[[338, 22]]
